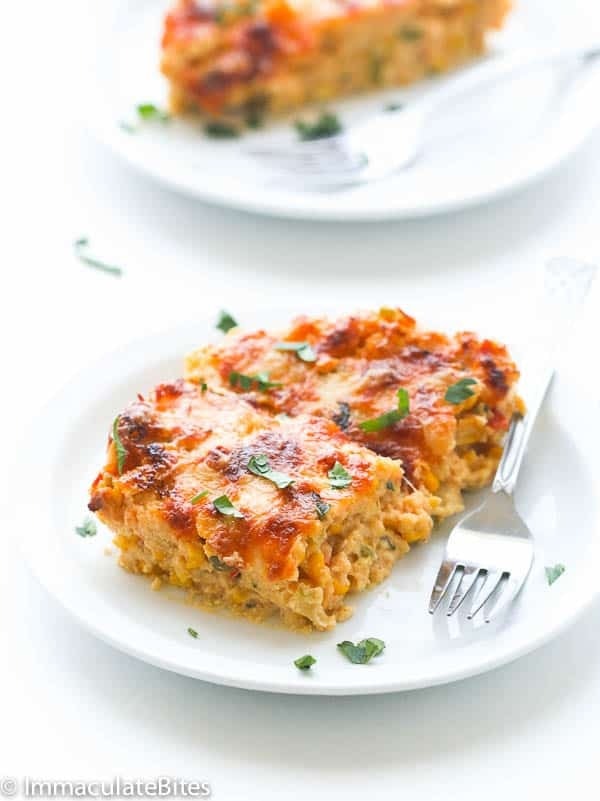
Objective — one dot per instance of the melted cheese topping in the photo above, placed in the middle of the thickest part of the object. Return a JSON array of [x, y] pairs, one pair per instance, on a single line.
[[361, 363]]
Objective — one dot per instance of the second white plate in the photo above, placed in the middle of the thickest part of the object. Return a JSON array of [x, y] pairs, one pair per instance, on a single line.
[[479, 149]]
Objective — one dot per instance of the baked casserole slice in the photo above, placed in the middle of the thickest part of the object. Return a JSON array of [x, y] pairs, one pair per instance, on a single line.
[[438, 404], [247, 58], [257, 514]]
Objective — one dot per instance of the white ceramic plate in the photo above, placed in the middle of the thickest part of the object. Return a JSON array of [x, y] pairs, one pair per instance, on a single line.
[[557, 495], [478, 150]]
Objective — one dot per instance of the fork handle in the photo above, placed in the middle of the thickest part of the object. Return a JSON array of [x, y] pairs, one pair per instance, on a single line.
[[566, 285], [495, 69]]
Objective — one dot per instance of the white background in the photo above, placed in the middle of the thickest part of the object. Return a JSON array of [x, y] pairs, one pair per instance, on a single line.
[[71, 707]]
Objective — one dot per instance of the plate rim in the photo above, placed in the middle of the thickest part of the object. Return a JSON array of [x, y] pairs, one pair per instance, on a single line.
[[134, 351]]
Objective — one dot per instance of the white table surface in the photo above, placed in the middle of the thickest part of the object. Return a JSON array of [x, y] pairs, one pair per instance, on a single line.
[[70, 706]]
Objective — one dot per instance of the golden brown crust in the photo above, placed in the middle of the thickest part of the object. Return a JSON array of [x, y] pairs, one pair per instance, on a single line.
[[297, 549]]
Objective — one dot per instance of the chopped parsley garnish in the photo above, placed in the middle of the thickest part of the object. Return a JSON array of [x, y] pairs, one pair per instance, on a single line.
[[81, 246], [87, 528], [150, 112], [305, 662], [197, 498], [302, 350], [203, 387], [246, 382], [223, 505], [193, 633], [339, 476], [394, 107], [259, 465], [226, 322], [390, 486], [459, 392], [554, 572], [410, 34], [326, 125], [322, 508], [363, 652], [221, 130], [119, 447], [342, 418], [389, 418]]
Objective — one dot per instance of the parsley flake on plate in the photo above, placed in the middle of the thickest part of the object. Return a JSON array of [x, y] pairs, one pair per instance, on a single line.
[[246, 382], [192, 632], [362, 652], [81, 251], [197, 498], [389, 418], [221, 130], [226, 322], [119, 447], [259, 465], [302, 350], [325, 125], [223, 505], [459, 392], [150, 112], [305, 662], [87, 528], [339, 477], [554, 572]]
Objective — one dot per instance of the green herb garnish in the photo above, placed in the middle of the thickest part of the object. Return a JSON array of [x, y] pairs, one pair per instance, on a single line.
[[203, 387], [342, 418], [302, 350], [193, 633], [150, 112], [81, 245], [394, 107], [390, 486], [363, 652], [410, 34], [305, 662], [120, 448], [459, 392], [226, 322], [259, 465], [246, 382], [389, 418], [87, 528], [326, 125], [221, 130], [339, 476], [554, 572], [223, 505], [197, 498]]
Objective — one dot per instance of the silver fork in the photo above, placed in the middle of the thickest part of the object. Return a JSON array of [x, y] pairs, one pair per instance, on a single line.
[[391, 140], [489, 553], [492, 542]]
